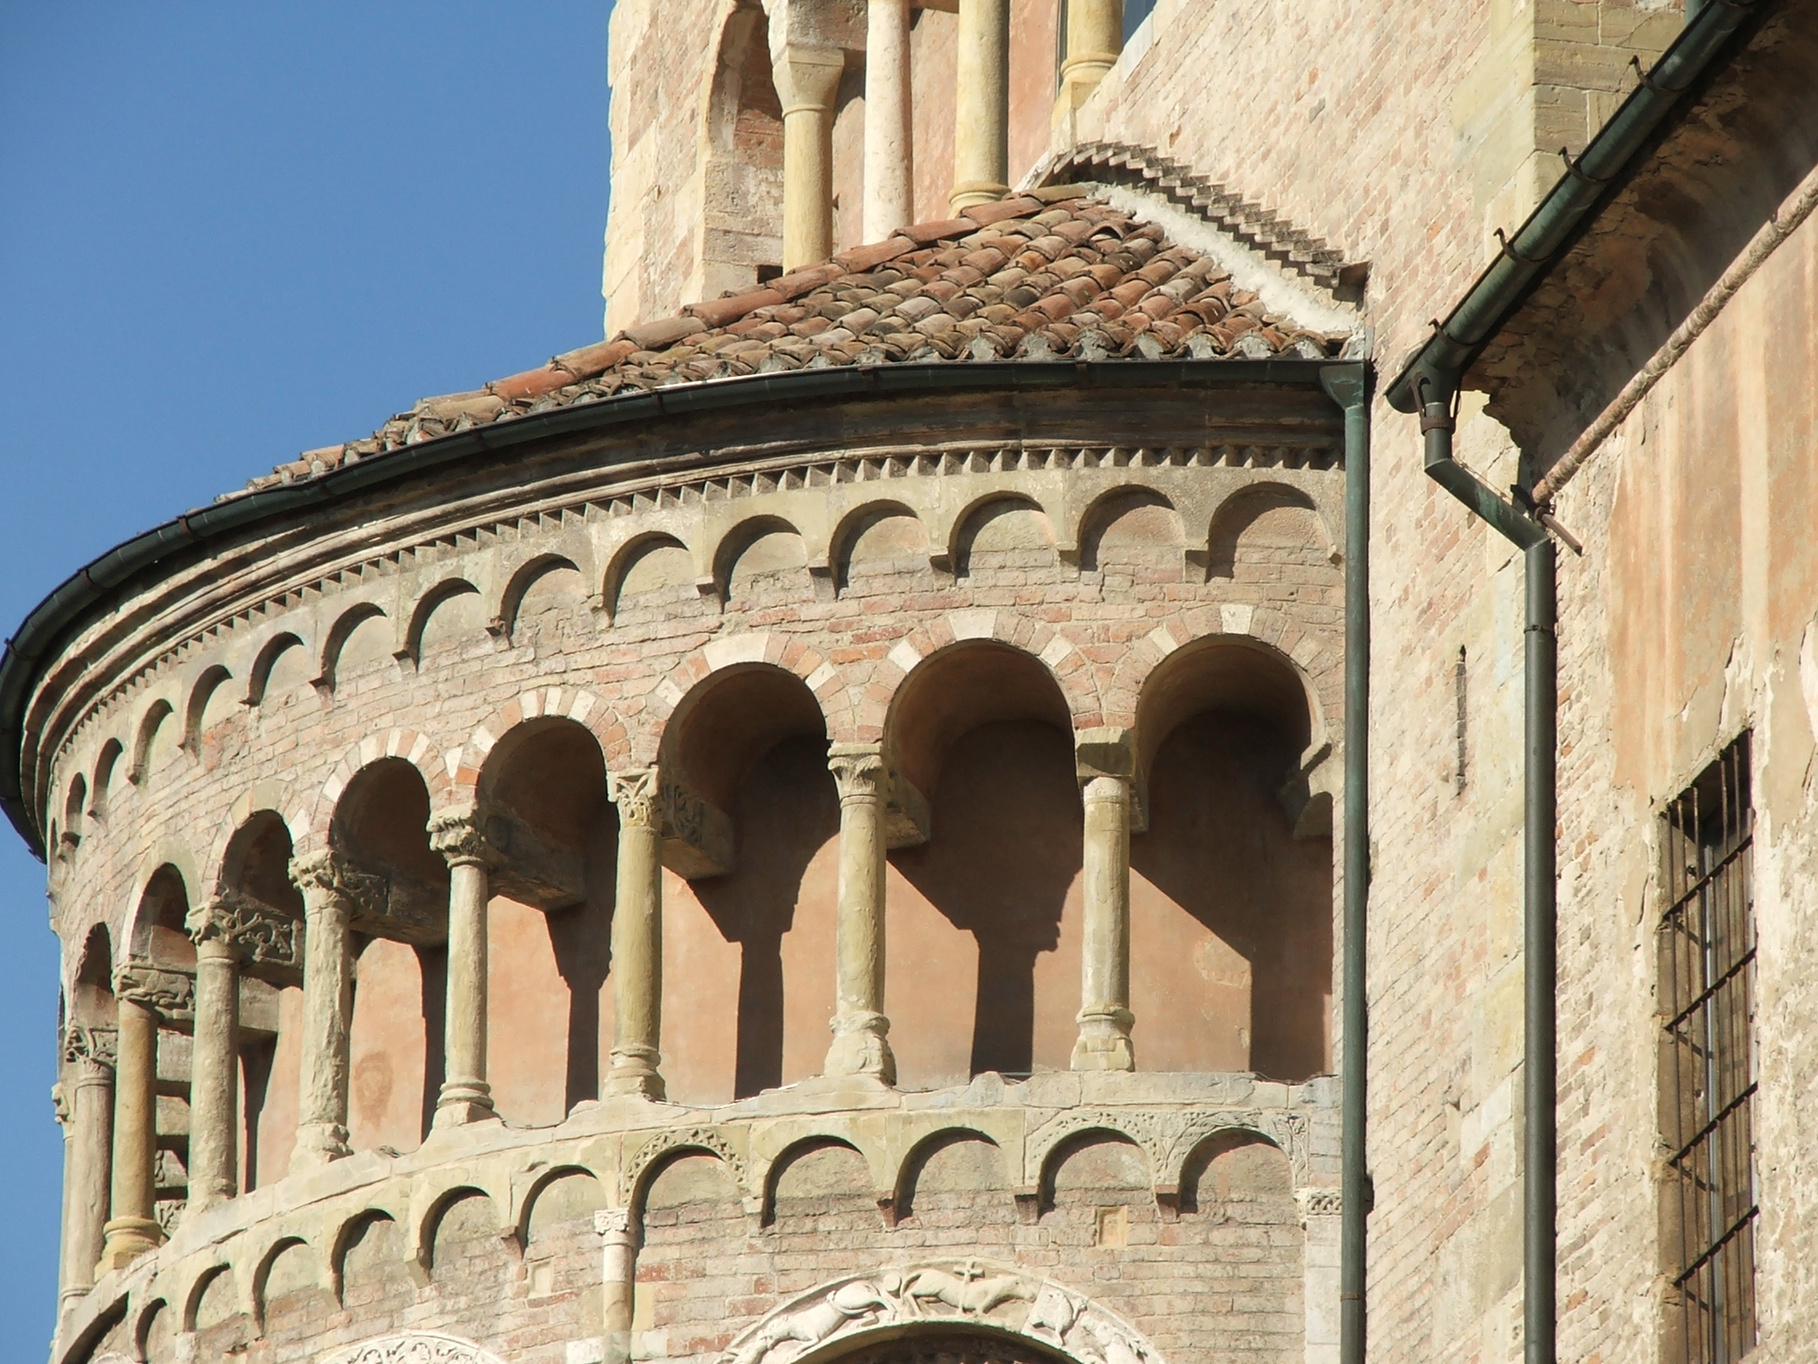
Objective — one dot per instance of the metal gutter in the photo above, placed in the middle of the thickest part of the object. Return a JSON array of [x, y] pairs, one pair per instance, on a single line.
[[1587, 182], [92, 588]]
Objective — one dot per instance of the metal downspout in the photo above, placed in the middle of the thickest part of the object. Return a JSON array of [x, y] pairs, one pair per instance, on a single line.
[[1540, 885], [1349, 387]]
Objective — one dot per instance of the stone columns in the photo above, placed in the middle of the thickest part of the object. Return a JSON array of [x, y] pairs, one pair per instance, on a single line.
[[889, 141], [1106, 764], [807, 79], [618, 1240], [1095, 37], [637, 936], [981, 120], [87, 1094], [214, 1074], [133, 1230], [859, 1025], [327, 1010], [465, 1096]]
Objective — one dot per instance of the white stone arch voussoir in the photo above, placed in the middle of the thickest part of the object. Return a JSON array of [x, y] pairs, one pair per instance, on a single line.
[[463, 765], [844, 1315], [311, 835], [768, 647], [272, 793]]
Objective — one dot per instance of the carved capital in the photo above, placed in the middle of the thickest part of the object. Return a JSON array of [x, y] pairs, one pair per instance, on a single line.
[[327, 879], [99, 1046], [258, 934], [459, 837], [612, 1224], [859, 771], [638, 794], [169, 993]]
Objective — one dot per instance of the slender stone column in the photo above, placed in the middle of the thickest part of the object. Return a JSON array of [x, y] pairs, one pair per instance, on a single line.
[[1105, 768], [618, 1241], [327, 1010], [637, 937], [214, 1074], [88, 1095], [889, 139], [133, 1230], [981, 121], [859, 1025], [60, 1105], [1095, 37], [807, 78], [465, 1097]]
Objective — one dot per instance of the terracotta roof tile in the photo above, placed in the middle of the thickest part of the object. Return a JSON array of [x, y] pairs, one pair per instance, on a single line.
[[1051, 274]]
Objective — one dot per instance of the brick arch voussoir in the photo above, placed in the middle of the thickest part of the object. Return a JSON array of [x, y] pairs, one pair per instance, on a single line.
[[775, 649], [411, 745], [586, 708]]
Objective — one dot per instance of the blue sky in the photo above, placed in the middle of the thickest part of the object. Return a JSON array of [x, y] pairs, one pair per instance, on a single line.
[[230, 233]]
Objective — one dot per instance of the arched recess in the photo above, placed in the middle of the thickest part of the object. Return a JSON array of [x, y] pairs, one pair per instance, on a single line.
[[279, 670], [762, 561], [742, 243], [154, 741], [982, 731], [462, 1245], [449, 615], [107, 766], [547, 593], [158, 940], [542, 800], [561, 1247], [359, 641], [1237, 1201], [818, 1187], [211, 702], [954, 1171], [372, 1264], [686, 1199], [651, 577], [1004, 534], [380, 827], [288, 1288], [159, 934], [75, 801], [1230, 912], [1270, 538], [1133, 535], [749, 916], [880, 547], [255, 880]]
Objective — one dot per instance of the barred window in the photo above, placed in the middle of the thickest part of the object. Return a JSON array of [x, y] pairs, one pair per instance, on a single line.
[[1707, 1066]]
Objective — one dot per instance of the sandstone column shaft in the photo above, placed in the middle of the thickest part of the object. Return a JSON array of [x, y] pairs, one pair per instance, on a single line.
[[981, 121], [807, 79], [637, 937], [88, 1089], [466, 1096], [859, 1025], [214, 1088], [132, 1230], [327, 1013], [1095, 37], [1104, 1015], [889, 136], [619, 1274]]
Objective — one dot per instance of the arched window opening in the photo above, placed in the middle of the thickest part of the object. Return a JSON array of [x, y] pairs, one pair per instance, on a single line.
[[749, 980], [982, 732], [91, 1003], [545, 813], [743, 231], [160, 939], [257, 868], [1230, 913], [381, 826]]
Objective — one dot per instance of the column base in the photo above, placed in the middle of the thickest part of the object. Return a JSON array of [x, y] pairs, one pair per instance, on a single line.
[[859, 1047], [464, 1101], [318, 1143], [203, 1197], [975, 192], [128, 1238], [634, 1071], [1104, 1041]]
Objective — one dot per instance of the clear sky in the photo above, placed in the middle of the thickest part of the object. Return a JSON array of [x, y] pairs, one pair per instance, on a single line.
[[230, 233]]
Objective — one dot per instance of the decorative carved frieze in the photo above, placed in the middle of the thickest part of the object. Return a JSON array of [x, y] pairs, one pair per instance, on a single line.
[[412, 1347], [697, 837], [269, 943], [171, 994], [686, 1139], [377, 902], [963, 1293]]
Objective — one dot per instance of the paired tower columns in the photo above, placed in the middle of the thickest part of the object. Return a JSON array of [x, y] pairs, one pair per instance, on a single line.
[[807, 81]]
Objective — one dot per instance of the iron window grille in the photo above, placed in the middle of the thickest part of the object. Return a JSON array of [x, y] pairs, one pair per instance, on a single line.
[[1707, 1067]]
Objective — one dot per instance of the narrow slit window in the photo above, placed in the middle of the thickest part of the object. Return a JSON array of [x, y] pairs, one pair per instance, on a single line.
[[1707, 1064]]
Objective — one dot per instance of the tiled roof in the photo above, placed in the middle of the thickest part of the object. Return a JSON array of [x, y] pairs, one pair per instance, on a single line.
[[1054, 274]]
